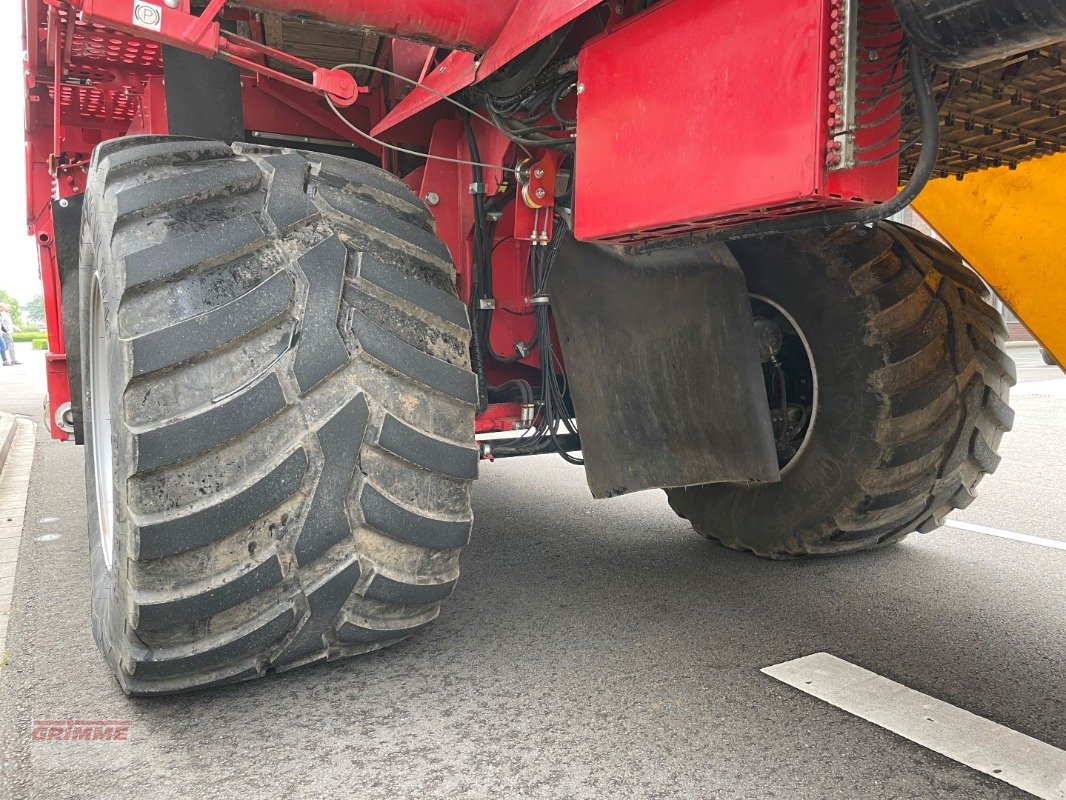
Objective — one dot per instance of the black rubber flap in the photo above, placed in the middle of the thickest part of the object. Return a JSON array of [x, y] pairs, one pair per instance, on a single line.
[[66, 223], [203, 95], [663, 367]]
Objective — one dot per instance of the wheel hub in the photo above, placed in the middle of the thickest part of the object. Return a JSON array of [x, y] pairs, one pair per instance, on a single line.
[[790, 377]]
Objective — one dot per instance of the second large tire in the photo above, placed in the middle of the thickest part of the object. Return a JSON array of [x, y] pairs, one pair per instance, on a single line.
[[910, 401], [278, 406]]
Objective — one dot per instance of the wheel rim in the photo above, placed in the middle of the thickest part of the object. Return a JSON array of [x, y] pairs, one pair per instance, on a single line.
[[100, 422], [797, 362]]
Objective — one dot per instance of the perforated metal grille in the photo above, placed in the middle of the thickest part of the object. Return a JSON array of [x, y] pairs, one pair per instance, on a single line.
[[999, 114], [105, 71]]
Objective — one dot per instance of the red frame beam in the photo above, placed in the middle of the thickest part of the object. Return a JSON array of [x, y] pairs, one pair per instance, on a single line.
[[455, 24], [203, 35]]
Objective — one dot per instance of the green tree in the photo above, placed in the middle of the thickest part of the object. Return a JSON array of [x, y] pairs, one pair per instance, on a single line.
[[13, 306], [34, 310]]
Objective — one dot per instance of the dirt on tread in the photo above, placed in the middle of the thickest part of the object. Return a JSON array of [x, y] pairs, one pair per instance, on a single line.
[[914, 387], [292, 478]]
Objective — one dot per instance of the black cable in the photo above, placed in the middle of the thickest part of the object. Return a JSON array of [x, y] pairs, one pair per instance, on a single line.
[[553, 395], [520, 115], [477, 356], [523, 386], [879, 146], [903, 145], [553, 407], [504, 125], [557, 96], [862, 123], [870, 162], [524, 68], [481, 284]]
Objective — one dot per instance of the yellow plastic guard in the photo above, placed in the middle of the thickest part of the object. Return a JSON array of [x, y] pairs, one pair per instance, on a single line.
[[1010, 225]]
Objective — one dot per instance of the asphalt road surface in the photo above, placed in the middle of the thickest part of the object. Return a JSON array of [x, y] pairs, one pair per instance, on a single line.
[[592, 649]]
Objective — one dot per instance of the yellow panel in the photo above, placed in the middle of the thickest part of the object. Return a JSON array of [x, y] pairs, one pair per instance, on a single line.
[[1010, 225]]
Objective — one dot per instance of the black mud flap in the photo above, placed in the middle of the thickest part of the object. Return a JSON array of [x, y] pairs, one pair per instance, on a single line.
[[203, 94], [663, 367], [66, 224]]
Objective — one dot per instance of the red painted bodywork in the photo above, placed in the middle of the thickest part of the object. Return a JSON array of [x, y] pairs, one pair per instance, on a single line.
[[751, 143], [458, 24], [530, 21], [111, 84], [695, 113]]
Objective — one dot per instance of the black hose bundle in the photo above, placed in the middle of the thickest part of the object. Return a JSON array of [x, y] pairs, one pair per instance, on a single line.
[[553, 410]]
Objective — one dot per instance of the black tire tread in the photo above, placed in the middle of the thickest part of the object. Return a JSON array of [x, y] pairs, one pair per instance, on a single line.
[[942, 350], [277, 564]]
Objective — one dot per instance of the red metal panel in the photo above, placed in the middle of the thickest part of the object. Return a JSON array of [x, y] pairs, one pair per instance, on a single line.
[[531, 21], [456, 24], [706, 113], [449, 181], [163, 24], [280, 108], [454, 73]]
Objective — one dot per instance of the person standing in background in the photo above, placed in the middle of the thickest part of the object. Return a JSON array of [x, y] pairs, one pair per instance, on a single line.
[[7, 326]]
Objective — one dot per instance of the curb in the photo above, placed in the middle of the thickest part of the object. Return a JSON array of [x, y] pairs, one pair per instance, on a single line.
[[17, 438], [8, 427]]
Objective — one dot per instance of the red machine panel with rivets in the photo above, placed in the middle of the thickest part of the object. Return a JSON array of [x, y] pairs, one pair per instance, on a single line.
[[704, 114]]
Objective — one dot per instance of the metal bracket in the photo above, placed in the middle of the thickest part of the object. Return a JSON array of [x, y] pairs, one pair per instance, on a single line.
[[538, 181], [843, 84], [203, 35], [339, 85]]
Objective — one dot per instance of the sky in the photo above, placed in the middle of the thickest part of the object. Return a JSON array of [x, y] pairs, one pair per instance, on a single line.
[[19, 274]]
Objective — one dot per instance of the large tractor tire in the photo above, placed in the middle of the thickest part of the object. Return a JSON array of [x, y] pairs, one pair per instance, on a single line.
[[895, 367], [279, 410]]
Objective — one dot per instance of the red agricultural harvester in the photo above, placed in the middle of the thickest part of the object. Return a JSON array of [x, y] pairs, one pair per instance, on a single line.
[[302, 257]]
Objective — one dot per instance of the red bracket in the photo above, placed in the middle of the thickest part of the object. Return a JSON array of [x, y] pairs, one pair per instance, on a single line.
[[538, 183], [533, 216], [339, 85]]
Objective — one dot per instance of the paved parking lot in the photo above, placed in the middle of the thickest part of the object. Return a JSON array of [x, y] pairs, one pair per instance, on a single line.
[[592, 649]]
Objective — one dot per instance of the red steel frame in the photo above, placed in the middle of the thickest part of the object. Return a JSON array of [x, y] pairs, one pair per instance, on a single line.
[[109, 73], [95, 72]]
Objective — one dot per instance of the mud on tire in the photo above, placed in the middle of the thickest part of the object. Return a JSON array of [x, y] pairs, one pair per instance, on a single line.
[[912, 397], [290, 409]]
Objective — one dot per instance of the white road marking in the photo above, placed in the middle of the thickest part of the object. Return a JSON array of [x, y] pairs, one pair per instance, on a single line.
[[979, 743], [1018, 537]]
